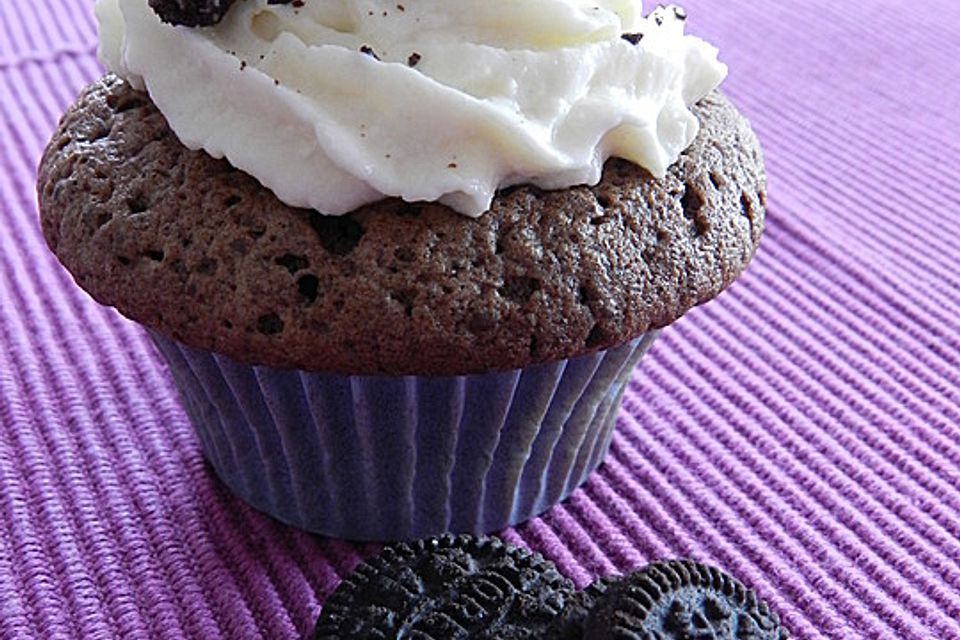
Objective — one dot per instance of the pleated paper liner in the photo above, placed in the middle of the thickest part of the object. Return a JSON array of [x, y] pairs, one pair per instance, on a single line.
[[399, 458]]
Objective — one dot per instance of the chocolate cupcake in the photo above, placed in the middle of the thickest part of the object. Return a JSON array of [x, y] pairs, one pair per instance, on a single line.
[[406, 367]]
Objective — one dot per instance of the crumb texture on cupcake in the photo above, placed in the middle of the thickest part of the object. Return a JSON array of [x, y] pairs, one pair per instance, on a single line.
[[192, 247]]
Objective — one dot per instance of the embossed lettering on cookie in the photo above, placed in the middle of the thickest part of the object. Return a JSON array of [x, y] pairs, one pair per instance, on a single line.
[[681, 600], [450, 588], [197, 13]]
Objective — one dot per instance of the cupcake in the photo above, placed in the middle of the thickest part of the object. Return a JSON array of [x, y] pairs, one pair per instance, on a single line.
[[402, 259]]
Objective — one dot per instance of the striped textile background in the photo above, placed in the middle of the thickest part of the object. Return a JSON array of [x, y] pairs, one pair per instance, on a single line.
[[802, 432]]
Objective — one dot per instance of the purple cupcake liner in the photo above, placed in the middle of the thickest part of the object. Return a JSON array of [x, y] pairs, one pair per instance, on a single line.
[[399, 458]]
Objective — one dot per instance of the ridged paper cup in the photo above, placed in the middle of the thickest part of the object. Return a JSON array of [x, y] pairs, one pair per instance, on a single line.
[[398, 458]]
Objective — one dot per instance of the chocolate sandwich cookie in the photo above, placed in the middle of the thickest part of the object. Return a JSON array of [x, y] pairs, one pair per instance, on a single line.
[[449, 588], [681, 600]]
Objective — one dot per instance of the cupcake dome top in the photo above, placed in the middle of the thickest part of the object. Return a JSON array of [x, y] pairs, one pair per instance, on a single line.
[[199, 251]]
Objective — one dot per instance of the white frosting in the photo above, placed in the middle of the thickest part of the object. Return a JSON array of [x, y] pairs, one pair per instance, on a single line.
[[505, 92]]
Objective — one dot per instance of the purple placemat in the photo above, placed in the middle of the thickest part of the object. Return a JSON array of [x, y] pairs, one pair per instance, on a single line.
[[802, 432]]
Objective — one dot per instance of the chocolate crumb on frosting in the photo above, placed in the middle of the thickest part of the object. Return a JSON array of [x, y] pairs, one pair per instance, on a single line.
[[188, 246], [368, 50]]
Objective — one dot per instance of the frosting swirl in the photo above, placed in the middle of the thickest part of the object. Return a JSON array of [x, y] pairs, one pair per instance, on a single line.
[[334, 104]]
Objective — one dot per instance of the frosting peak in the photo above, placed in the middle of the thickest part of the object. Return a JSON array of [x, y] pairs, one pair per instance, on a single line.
[[333, 104]]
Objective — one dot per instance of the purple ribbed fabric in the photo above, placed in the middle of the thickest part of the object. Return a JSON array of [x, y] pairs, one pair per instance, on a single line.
[[803, 431]]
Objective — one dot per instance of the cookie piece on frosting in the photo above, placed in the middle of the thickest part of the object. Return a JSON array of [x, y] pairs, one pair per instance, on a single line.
[[681, 599], [197, 13], [451, 588]]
